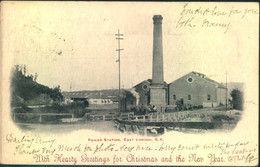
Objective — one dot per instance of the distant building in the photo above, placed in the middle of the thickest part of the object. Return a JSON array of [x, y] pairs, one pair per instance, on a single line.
[[93, 97], [102, 97], [74, 96], [196, 89], [100, 101]]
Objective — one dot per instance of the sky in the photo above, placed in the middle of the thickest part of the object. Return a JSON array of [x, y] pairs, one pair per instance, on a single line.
[[73, 43]]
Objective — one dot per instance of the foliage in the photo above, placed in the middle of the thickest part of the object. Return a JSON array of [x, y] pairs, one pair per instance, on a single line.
[[237, 99], [78, 108], [221, 118], [129, 95], [25, 88]]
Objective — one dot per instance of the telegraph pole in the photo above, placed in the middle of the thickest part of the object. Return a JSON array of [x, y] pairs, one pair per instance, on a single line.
[[220, 95], [119, 37], [226, 91], [70, 93]]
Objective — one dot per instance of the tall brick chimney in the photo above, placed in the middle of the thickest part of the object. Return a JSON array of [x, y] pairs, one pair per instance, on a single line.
[[158, 88], [157, 50]]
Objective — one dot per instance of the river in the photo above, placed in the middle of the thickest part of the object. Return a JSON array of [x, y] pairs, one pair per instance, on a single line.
[[105, 127], [102, 126]]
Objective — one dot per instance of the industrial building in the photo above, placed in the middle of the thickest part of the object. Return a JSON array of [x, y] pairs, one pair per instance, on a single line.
[[193, 89], [196, 89]]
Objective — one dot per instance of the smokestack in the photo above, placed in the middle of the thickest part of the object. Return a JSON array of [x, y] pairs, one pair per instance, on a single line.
[[157, 51], [158, 88]]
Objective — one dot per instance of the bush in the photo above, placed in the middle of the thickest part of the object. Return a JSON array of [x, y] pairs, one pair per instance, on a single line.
[[237, 99], [200, 106], [222, 117], [134, 109]]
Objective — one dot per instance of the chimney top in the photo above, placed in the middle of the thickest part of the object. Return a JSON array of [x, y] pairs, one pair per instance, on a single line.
[[157, 19]]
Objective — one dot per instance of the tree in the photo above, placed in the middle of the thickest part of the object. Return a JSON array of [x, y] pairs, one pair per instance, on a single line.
[[237, 99], [24, 70], [35, 76], [25, 89], [56, 94]]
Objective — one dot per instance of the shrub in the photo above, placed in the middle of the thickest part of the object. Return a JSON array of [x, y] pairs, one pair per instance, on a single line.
[[237, 99], [200, 106]]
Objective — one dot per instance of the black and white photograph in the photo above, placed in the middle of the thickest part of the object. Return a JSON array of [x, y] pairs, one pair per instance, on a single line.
[[129, 83]]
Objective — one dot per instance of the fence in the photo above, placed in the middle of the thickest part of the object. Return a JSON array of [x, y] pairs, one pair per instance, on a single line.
[[170, 117], [100, 117], [105, 117], [42, 114]]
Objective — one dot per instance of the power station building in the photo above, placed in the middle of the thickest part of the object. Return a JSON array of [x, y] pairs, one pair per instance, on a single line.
[[196, 89], [193, 89]]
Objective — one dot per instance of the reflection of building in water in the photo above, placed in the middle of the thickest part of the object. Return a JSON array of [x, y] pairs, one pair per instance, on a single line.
[[196, 89]]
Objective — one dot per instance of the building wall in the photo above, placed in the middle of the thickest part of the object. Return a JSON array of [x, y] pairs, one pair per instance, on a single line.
[[199, 90], [158, 97], [143, 89], [221, 94]]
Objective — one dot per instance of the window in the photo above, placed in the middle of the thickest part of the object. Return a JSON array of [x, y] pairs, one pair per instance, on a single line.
[[190, 80], [174, 97], [208, 97], [145, 87], [189, 97]]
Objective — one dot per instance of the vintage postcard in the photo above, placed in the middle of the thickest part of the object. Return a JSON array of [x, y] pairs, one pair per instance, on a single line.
[[129, 83]]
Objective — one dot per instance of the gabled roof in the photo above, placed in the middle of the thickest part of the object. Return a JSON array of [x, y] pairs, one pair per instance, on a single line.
[[203, 76], [198, 74], [148, 80]]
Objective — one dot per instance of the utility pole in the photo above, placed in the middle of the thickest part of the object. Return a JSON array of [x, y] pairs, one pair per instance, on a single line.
[[220, 95], [119, 37], [226, 91], [70, 94]]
